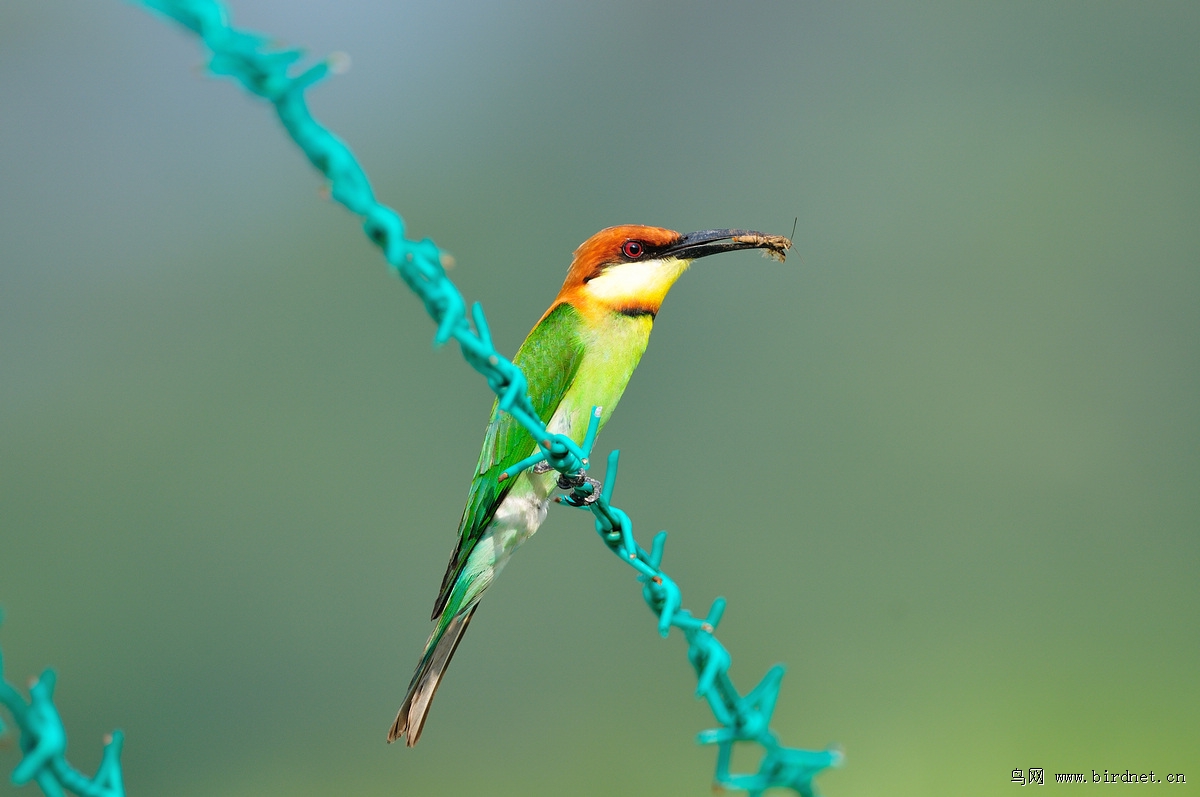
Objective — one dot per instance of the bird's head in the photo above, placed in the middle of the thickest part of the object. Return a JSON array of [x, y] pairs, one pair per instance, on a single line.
[[630, 268]]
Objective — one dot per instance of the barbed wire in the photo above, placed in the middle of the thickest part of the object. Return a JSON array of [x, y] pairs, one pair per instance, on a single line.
[[264, 70], [43, 743]]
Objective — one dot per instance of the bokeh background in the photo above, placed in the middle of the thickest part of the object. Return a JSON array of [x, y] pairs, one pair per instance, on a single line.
[[944, 462]]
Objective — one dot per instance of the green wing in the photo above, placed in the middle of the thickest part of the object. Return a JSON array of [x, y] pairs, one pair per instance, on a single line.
[[549, 358]]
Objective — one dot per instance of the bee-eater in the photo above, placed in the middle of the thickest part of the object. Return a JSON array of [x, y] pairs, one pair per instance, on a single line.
[[580, 355]]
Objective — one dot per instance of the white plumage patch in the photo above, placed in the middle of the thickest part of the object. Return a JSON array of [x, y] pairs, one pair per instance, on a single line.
[[517, 518], [639, 281]]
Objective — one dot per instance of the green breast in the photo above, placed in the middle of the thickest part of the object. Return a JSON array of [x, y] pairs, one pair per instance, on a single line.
[[612, 350]]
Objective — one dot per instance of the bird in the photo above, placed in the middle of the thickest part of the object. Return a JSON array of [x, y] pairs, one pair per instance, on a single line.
[[579, 355]]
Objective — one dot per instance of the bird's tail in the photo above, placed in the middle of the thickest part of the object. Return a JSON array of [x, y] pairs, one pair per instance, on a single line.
[[439, 649]]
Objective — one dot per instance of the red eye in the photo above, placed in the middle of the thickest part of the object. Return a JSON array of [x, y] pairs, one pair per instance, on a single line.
[[632, 249]]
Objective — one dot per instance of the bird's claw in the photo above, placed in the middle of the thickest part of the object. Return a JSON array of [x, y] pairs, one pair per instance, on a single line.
[[585, 490], [571, 481]]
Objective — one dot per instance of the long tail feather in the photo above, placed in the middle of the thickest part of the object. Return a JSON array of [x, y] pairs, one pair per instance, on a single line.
[[425, 681]]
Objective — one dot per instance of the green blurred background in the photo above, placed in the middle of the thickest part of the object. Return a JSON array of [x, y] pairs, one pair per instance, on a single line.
[[944, 462]]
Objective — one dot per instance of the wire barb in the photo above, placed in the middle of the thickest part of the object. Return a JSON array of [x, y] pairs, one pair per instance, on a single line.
[[43, 743], [264, 71]]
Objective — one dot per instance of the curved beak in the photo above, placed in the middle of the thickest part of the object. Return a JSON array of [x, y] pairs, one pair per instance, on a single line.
[[710, 242]]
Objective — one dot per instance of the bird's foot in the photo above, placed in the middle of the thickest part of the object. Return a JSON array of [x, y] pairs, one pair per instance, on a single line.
[[584, 490]]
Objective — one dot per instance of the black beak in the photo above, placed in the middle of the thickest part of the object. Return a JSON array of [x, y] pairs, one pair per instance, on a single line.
[[711, 242]]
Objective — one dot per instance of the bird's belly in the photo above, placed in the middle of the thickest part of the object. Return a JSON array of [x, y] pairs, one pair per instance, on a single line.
[[516, 519]]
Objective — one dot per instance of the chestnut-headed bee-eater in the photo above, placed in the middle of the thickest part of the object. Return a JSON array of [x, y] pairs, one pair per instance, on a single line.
[[580, 355]]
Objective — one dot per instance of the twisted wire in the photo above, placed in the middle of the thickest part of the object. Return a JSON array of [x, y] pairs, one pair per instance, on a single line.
[[265, 71], [43, 743]]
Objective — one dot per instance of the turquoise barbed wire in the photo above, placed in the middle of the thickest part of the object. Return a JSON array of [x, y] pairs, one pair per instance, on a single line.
[[43, 743], [745, 718], [264, 71]]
